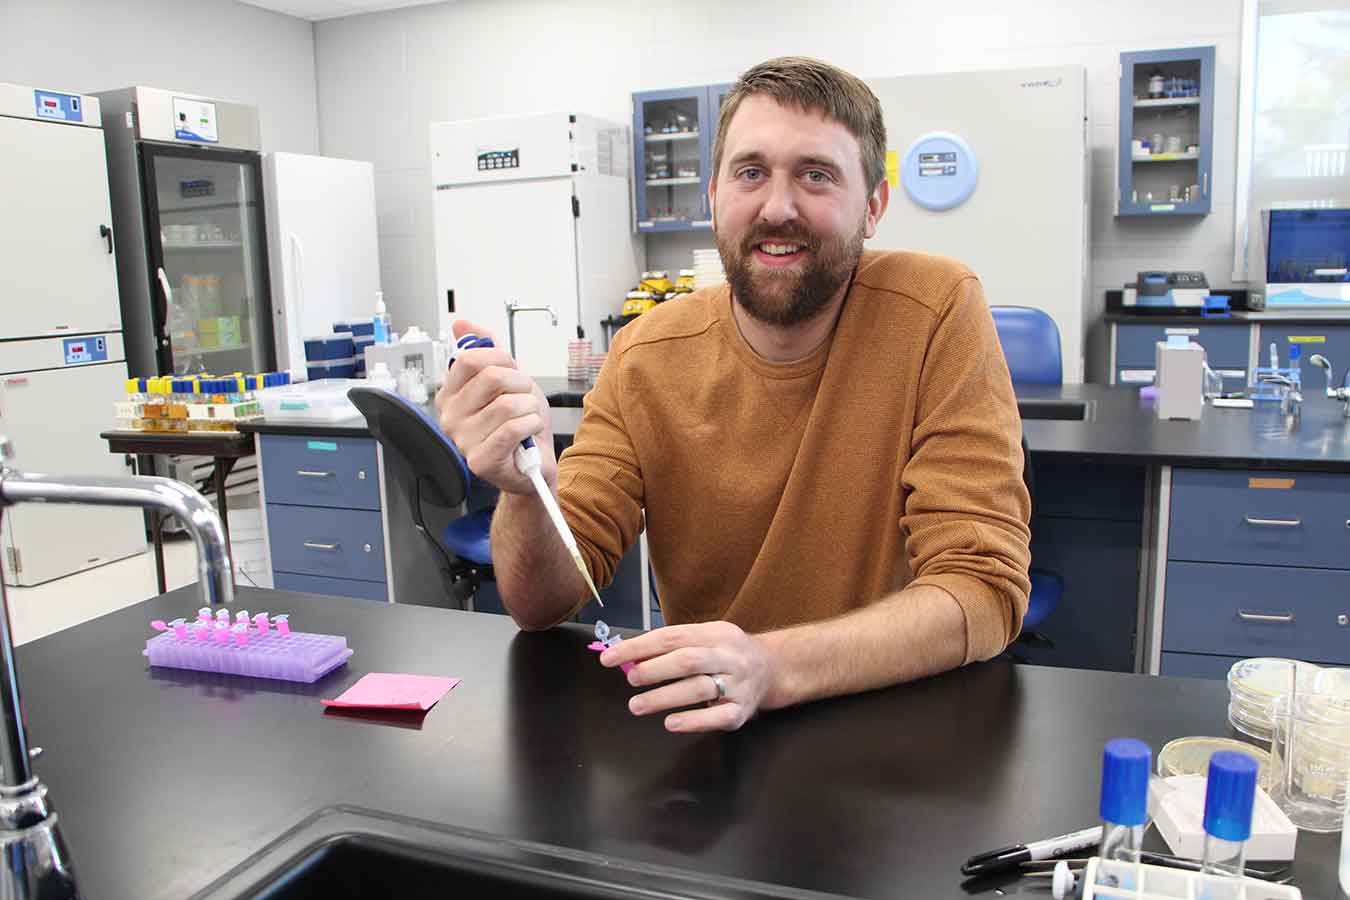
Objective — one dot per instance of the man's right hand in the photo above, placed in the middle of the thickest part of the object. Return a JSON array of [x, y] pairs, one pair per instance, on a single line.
[[487, 406]]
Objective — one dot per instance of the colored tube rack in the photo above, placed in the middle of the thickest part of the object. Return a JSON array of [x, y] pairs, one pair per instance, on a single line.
[[256, 647], [1110, 880]]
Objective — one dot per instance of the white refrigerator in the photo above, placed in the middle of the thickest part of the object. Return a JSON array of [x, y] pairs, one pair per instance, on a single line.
[[322, 247], [62, 360], [533, 210], [1016, 141]]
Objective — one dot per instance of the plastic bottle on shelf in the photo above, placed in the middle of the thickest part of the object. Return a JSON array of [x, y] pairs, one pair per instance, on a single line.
[[382, 329], [381, 377]]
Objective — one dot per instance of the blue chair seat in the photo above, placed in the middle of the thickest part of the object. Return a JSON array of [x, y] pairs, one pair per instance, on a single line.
[[1046, 589], [1030, 342], [467, 537]]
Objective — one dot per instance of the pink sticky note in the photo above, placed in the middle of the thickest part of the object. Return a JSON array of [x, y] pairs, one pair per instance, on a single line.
[[600, 648], [384, 690]]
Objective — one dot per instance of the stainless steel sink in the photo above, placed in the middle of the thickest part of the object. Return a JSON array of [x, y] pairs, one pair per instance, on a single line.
[[344, 853]]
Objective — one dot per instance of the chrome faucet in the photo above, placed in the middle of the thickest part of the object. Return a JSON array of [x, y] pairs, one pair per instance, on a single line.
[[512, 308], [1291, 398], [36, 864], [1341, 393]]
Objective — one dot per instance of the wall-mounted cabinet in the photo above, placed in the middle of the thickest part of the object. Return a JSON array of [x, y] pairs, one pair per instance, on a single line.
[[1166, 134], [673, 134]]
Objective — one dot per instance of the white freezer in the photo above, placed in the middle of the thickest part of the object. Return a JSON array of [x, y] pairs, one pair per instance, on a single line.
[[53, 417], [322, 245], [533, 210], [1024, 229]]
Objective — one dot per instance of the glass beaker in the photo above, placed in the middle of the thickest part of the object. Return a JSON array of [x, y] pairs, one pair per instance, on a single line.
[[1311, 751]]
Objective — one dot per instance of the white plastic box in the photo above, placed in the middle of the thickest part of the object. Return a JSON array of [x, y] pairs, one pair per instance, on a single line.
[[324, 400]]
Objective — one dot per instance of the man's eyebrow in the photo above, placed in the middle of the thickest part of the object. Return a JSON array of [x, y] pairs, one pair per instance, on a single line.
[[755, 156]]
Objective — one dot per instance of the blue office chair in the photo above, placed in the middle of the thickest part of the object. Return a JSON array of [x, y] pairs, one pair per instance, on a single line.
[[1030, 341], [437, 475]]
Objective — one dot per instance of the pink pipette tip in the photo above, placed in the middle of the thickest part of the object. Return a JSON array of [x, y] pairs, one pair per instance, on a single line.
[[202, 631], [240, 632], [283, 623], [158, 625], [221, 635], [204, 614], [260, 620]]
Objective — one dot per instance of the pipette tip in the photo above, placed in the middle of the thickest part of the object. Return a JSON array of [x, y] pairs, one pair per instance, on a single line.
[[586, 573]]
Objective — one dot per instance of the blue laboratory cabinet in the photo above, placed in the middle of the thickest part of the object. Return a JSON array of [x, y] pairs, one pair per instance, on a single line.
[[1166, 133], [673, 135]]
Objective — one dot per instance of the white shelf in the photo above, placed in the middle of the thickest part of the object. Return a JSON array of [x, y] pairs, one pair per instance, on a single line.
[[670, 182], [1167, 101], [203, 245], [205, 351], [1165, 157], [673, 136]]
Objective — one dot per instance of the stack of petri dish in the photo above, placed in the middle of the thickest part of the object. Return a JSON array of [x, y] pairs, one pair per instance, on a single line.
[[1255, 684], [594, 362], [708, 268], [577, 351]]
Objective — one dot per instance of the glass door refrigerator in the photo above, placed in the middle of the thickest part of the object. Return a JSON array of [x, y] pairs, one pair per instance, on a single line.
[[186, 185]]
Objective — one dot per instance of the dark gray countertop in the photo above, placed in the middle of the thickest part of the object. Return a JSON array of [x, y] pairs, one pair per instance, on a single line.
[[1119, 427], [166, 780], [1240, 317]]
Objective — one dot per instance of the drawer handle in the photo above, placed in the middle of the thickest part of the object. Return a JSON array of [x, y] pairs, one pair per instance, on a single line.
[[315, 545], [1262, 617], [1273, 523], [309, 473]]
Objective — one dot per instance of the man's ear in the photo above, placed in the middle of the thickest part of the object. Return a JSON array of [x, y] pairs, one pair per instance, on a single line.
[[876, 206]]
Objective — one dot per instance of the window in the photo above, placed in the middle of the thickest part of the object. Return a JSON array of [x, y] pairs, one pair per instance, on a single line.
[[1293, 118]]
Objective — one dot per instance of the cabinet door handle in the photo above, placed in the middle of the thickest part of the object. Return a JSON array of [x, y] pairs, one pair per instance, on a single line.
[[1273, 523], [309, 473], [315, 545], [1262, 617]]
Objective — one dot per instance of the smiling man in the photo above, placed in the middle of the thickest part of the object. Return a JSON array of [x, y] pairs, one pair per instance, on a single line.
[[827, 449]]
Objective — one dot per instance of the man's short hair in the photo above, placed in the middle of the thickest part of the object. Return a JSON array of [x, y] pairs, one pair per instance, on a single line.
[[814, 86]]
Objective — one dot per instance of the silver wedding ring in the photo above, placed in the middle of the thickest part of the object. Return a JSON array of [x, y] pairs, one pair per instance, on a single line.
[[720, 683]]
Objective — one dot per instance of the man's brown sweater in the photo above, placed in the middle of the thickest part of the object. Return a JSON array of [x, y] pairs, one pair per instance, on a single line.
[[779, 494]]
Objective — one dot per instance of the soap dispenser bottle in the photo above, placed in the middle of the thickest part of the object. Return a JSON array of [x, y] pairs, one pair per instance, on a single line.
[[381, 319]]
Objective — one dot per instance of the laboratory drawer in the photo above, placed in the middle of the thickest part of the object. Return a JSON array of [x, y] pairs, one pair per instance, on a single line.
[[1257, 611], [1226, 346], [311, 540], [1196, 665], [1261, 518], [320, 471], [330, 587]]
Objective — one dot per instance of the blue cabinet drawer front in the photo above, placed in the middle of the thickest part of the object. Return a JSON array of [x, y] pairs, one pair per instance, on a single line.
[[1196, 665], [1226, 346], [1206, 605], [309, 540], [1261, 518], [321, 471], [330, 587]]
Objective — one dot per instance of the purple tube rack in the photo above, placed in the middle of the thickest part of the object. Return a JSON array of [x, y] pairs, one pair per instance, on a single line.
[[297, 656]]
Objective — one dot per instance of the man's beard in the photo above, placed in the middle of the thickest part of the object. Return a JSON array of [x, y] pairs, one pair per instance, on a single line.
[[791, 295]]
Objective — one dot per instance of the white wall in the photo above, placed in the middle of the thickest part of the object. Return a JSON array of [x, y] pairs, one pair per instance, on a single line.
[[383, 77], [219, 48]]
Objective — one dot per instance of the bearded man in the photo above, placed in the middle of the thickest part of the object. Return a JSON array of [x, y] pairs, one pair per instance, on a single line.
[[825, 451]]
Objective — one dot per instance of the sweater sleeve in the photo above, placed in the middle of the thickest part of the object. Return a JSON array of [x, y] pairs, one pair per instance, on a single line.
[[600, 487], [967, 510]]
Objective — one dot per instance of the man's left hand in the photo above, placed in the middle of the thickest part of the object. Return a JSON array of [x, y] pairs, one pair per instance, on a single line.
[[713, 665]]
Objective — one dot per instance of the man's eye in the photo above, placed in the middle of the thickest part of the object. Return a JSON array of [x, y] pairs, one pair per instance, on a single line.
[[751, 173], [816, 176]]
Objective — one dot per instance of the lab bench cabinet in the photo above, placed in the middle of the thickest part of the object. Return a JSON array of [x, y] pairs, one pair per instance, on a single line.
[[1166, 133], [1258, 564], [674, 131], [1227, 349], [324, 515]]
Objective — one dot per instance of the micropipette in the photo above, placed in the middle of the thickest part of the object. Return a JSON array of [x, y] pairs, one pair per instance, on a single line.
[[528, 464]]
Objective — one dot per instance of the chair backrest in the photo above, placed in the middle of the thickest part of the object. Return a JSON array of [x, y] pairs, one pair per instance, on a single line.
[[408, 434], [1030, 342]]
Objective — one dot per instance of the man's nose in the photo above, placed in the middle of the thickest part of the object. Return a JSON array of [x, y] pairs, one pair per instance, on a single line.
[[780, 203]]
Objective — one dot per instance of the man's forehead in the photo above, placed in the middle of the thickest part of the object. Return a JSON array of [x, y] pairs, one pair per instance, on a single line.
[[764, 127]]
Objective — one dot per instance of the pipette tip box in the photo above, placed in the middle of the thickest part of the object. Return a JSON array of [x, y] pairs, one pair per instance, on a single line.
[[1159, 883]]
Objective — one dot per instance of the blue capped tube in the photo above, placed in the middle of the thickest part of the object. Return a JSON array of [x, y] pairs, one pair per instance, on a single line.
[[1126, 763]]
